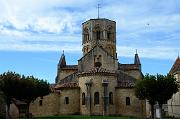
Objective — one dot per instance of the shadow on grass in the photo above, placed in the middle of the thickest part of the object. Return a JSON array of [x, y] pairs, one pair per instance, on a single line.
[[83, 117]]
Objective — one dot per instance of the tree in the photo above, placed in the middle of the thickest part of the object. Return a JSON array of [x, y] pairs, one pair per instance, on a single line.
[[156, 88], [32, 89], [166, 87], [27, 89], [8, 83], [146, 89]]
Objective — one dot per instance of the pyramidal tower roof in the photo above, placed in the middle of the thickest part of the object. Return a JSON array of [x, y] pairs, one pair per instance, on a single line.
[[136, 59], [176, 66], [62, 61]]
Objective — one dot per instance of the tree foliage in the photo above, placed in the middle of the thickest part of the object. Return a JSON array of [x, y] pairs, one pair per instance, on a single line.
[[156, 88], [27, 89], [8, 83], [166, 87]]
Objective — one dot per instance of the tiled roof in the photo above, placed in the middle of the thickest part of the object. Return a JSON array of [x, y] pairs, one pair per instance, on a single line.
[[52, 87], [126, 84], [62, 61], [70, 67], [127, 67], [136, 59], [176, 67], [98, 70], [68, 82], [70, 78], [125, 80], [67, 85]]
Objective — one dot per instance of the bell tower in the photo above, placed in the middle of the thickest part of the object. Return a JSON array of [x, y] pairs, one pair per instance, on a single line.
[[101, 32]]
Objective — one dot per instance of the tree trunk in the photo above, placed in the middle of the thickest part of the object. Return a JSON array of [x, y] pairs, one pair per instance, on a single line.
[[27, 111], [152, 111], [8, 116], [160, 110]]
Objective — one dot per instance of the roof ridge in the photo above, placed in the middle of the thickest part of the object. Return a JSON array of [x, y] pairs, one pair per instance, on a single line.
[[100, 48]]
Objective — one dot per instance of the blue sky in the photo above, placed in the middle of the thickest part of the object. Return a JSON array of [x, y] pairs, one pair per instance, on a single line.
[[33, 33]]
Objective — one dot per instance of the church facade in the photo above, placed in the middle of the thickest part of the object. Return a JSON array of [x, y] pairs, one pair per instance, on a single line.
[[99, 84]]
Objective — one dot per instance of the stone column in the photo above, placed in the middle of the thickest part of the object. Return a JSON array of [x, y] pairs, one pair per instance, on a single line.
[[88, 97], [105, 97]]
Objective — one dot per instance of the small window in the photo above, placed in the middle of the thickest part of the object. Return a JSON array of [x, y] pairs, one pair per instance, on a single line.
[[96, 98], [66, 100], [110, 98], [98, 33], [108, 34], [83, 98], [128, 101], [40, 102]]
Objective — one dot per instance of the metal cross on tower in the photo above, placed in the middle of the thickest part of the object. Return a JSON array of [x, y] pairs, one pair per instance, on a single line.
[[98, 9]]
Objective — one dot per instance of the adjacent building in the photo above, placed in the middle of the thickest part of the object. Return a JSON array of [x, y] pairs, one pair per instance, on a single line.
[[174, 102]]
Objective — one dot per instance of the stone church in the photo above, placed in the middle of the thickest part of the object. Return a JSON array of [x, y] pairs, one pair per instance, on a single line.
[[99, 84]]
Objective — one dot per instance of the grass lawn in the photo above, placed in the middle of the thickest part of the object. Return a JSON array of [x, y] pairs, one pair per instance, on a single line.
[[83, 117]]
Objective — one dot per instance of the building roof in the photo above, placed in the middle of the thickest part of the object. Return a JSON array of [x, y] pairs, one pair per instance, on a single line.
[[98, 70], [62, 61], [92, 51], [125, 81], [70, 67], [98, 19], [69, 78], [52, 87], [67, 85], [136, 59], [127, 67], [176, 66]]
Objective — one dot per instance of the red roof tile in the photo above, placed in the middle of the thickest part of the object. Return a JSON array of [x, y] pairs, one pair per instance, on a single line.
[[176, 67], [99, 70], [66, 85], [127, 67]]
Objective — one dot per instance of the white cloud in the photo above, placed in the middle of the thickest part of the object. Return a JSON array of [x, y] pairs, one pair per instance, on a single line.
[[144, 52], [45, 25], [40, 47]]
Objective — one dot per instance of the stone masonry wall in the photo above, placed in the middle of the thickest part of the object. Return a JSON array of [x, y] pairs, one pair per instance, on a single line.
[[136, 107], [66, 72], [174, 102], [73, 106], [135, 73], [97, 109], [50, 106], [106, 60]]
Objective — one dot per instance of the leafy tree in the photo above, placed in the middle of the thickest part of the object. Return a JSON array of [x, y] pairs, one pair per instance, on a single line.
[[33, 88], [146, 89], [156, 88], [166, 87], [27, 89], [8, 82]]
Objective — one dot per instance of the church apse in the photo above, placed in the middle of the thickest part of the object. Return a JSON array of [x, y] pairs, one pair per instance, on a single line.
[[98, 84]]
